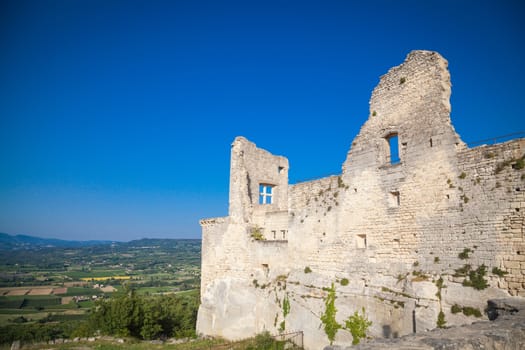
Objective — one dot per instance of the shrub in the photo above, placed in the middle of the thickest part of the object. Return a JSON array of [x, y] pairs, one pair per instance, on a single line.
[[462, 271], [470, 311], [455, 309], [282, 326], [440, 284], [498, 272], [464, 254], [256, 234], [358, 325], [307, 269], [476, 278], [286, 306], [264, 341], [462, 175], [441, 323], [344, 282]]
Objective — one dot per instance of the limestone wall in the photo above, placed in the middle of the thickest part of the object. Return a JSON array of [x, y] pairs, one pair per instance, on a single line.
[[439, 228]]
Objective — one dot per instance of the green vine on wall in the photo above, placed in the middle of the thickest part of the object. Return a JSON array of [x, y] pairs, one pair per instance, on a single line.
[[286, 306], [286, 310], [357, 324], [328, 318]]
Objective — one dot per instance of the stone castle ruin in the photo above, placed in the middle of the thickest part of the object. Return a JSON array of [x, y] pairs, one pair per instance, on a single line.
[[419, 229]]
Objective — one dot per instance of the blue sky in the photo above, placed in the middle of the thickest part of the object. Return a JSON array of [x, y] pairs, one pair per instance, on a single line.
[[116, 117]]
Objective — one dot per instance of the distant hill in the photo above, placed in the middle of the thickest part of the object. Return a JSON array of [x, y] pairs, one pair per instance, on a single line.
[[10, 242]]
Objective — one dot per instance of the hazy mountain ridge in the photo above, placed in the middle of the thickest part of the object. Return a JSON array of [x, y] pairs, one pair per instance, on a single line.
[[15, 242], [9, 242]]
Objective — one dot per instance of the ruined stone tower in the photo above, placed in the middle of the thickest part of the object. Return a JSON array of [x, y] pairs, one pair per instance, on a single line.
[[416, 223]]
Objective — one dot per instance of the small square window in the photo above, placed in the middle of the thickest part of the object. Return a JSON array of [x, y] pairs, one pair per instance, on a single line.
[[265, 194]]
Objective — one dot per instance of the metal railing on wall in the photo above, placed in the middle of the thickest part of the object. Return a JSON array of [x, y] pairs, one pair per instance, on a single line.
[[288, 341], [496, 139]]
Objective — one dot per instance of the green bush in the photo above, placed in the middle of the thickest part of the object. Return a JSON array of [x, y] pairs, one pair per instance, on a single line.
[[307, 269], [357, 325], [264, 341], [470, 311], [256, 234], [441, 323], [344, 282], [476, 278], [38, 332], [456, 309], [147, 317]]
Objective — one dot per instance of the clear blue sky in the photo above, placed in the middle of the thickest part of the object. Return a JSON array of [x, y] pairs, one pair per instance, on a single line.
[[116, 117]]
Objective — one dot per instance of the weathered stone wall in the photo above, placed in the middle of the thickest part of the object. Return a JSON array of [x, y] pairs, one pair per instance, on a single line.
[[506, 332], [402, 239]]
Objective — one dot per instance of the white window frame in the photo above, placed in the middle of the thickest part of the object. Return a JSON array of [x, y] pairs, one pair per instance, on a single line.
[[265, 194]]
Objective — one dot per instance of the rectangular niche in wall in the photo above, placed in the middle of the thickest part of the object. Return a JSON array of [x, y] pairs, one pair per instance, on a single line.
[[361, 241], [393, 199]]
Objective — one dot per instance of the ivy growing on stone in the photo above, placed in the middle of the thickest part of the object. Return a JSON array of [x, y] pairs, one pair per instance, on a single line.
[[328, 317], [357, 324]]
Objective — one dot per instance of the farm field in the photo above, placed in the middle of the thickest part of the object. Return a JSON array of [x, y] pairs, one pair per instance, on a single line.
[[55, 284]]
